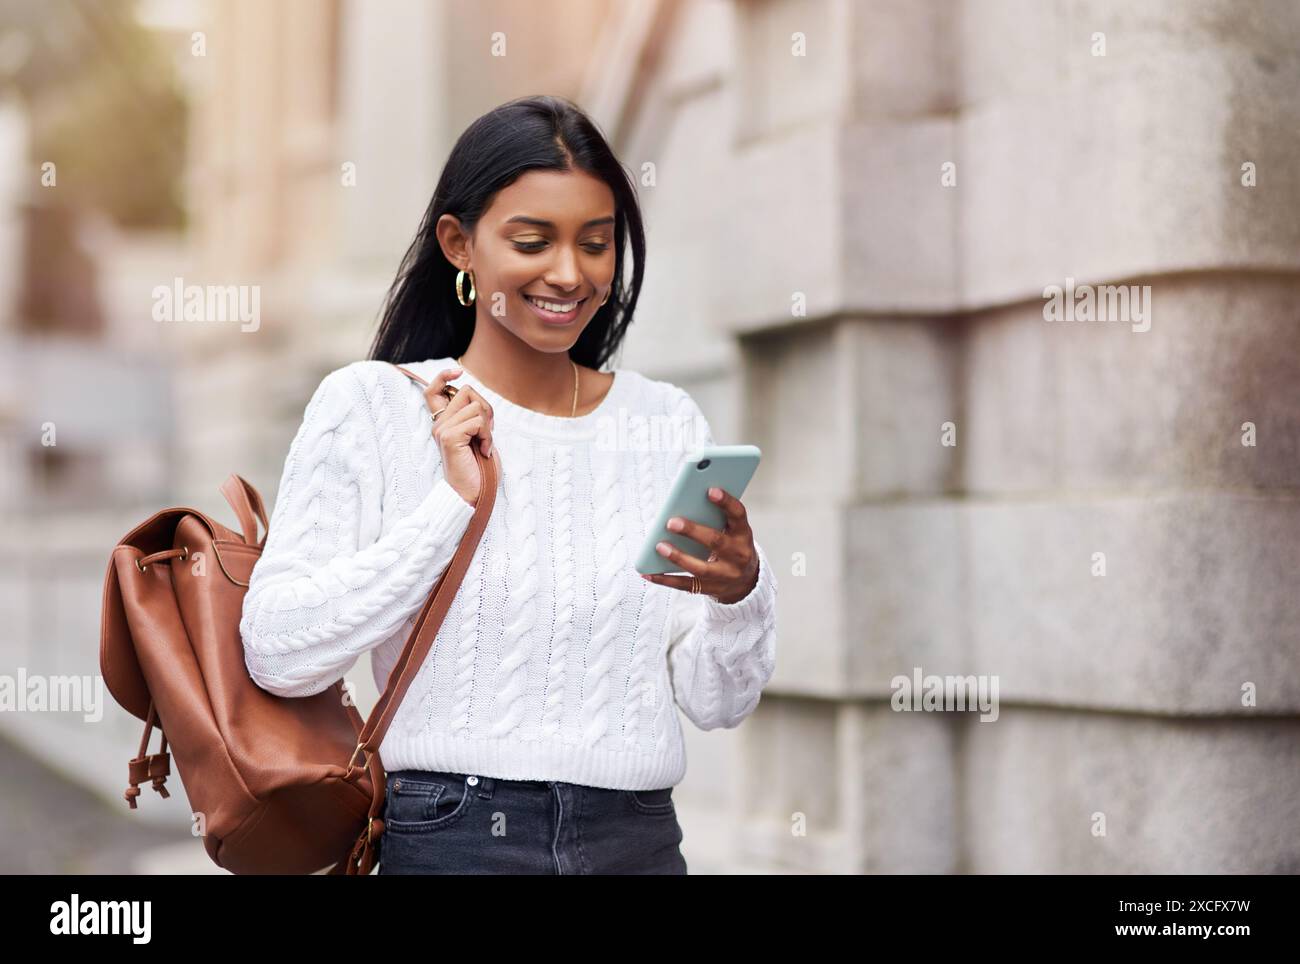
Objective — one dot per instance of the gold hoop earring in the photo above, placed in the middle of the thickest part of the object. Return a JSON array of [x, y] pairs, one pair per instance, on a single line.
[[606, 298], [460, 288]]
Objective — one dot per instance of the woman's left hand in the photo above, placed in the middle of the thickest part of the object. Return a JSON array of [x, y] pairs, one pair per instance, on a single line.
[[731, 571]]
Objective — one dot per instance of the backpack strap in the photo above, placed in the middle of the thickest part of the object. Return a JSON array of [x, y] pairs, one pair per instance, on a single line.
[[435, 608], [360, 858]]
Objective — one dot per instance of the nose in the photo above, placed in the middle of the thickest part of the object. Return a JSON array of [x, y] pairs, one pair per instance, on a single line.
[[564, 274]]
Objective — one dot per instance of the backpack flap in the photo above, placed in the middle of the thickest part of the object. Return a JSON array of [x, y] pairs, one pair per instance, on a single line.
[[117, 656], [126, 582], [117, 662]]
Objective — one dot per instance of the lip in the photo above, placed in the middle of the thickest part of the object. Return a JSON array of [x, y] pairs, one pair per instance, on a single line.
[[552, 317]]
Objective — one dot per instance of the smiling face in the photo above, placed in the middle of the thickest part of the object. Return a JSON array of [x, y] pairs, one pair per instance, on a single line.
[[542, 255]]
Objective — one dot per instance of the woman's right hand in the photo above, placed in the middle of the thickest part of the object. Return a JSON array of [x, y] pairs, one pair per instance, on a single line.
[[465, 417]]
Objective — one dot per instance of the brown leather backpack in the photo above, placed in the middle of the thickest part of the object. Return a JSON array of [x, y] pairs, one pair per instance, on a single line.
[[276, 780]]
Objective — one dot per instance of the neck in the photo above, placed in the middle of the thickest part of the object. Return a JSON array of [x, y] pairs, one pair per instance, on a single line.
[[542, 381]]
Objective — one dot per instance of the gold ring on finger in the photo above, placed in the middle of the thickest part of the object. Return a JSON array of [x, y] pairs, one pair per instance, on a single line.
[[448, 392]]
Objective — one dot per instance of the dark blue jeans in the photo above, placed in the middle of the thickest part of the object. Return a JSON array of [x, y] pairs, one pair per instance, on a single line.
[[458, 823]]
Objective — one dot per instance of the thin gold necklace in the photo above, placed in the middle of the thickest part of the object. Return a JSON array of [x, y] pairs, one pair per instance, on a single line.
[[574, 412]]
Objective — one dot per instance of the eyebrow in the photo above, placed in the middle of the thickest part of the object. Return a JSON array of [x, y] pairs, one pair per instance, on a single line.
[[542, 223]]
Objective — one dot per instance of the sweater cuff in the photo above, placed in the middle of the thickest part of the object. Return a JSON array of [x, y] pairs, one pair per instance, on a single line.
[[755, 605], [449, 513]]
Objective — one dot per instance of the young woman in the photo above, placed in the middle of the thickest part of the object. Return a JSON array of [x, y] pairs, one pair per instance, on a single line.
[[542, 735]]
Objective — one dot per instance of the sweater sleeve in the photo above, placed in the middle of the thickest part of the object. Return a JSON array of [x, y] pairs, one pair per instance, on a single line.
[[327, 587], [721, 655]]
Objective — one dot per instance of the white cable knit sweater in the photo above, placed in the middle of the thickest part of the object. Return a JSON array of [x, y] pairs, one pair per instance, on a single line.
[[556, 661]]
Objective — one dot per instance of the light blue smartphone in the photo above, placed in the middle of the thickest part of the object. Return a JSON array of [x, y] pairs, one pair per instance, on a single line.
[[729, 467]]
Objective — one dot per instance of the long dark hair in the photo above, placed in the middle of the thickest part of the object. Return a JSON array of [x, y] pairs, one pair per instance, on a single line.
[[421, 316]]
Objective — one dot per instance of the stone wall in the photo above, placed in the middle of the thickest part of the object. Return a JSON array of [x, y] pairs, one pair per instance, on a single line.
[[826, 294]]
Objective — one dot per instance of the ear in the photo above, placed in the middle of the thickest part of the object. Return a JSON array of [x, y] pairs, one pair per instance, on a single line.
[[453, 240]]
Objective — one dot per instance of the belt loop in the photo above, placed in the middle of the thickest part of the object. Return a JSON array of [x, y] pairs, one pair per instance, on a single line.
[[485, 787]]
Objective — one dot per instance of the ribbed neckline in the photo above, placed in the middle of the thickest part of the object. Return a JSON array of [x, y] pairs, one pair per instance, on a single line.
[[526, 419]]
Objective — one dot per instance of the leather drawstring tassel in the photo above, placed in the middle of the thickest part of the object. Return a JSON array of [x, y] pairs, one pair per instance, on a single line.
[[145, 766]]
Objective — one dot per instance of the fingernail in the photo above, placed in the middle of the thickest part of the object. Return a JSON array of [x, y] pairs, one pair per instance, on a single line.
[[715, 494], [663, 548], [675, 525]]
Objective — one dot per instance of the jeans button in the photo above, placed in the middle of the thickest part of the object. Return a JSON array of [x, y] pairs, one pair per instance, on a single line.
[[472, 781]]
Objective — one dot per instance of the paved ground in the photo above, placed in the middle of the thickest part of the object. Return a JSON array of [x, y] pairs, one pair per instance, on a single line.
[[51, 826]]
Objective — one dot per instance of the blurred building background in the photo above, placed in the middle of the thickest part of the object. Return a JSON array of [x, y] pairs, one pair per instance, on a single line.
[[854, 210]]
